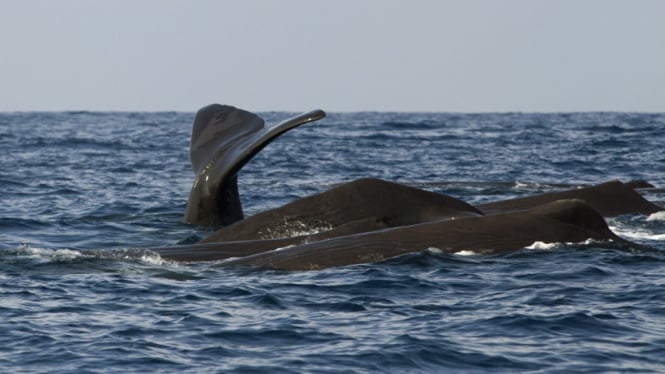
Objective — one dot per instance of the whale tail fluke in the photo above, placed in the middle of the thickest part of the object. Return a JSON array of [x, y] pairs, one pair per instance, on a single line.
[[224, 139]]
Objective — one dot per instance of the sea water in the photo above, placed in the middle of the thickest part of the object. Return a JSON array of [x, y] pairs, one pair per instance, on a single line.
[[83, 192]]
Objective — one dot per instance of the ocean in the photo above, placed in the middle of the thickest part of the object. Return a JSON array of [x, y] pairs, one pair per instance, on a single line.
[[83, 193]]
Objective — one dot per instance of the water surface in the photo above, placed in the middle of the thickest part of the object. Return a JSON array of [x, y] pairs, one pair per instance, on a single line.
[[114, 182]]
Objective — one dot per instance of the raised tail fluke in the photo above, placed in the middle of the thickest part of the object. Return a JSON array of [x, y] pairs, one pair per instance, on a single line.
[[224, 139]]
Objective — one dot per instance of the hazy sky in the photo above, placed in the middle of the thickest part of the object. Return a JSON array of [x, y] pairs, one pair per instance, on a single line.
[[341, 55]]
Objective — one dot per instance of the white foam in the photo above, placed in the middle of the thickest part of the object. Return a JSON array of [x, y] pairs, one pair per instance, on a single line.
[[288, 228], [538, 245], [145, 256], [434, 250], [658, 216], [153, 259], [638, 234], [543, 246], [49, 254], [466, 252]]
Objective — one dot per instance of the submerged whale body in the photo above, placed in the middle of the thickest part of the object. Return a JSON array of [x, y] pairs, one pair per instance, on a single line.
[[569, 221], [560, 221], [368, 219]]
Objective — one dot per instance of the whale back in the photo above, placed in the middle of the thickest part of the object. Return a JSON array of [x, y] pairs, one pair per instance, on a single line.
[[362, 205], [610, 199]]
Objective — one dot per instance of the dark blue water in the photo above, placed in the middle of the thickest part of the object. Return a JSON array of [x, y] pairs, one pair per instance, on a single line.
[[114, 182]]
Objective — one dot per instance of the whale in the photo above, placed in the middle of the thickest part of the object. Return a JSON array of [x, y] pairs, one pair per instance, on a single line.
[[369, 219], [610, 199], [560, 221], [362, 205]]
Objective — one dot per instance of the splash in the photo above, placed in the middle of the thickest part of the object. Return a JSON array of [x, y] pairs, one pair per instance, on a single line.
[[134, 255], [638, 234], [434, 250], [289, 227], [466, 252], [640, 228], [658, 216], [46, 254], [543, 246]]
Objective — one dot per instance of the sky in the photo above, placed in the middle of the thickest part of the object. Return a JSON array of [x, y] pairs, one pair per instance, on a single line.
[[341, 55]]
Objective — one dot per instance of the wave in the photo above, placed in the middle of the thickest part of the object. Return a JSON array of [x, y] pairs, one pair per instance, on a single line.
[[640, 228], [638, 234], [658, 216], [48, 255]]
